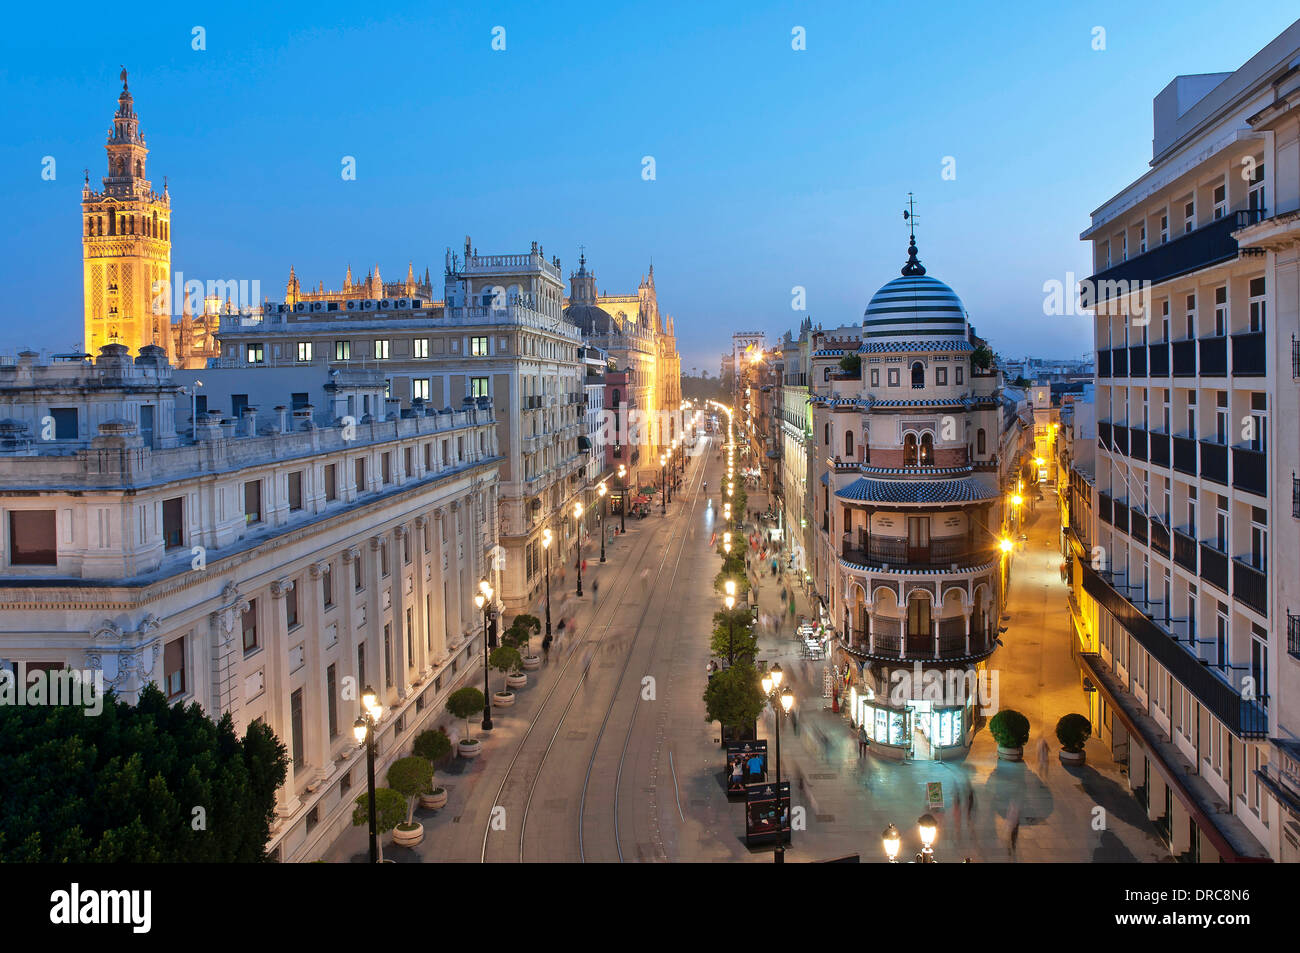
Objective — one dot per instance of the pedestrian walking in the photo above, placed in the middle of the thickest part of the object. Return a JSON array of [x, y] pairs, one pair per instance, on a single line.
[[595, 587], [863, 741], [970, 805], [956, 817], [1043, 758], [546, 650], [1013, 828]]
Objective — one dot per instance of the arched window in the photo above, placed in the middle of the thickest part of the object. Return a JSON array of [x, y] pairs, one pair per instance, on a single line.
[[139, 167], [121, 167], [979, 442], [826, 436], [927, 449], [919, 622], [909, 450], [848, 443], [918, 375]]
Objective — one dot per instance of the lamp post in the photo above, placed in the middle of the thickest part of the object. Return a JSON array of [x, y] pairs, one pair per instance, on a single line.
[[577, 518], [546, 548], [482, 601], [363, 729], [622, 510], [929, 831], [781, 700], [663, 484], [893, 842], [602, 490]]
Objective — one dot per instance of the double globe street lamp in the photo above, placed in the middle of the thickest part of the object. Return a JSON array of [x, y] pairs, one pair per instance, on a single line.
[[484, 601], [546, 548], [602, 490], [781, 700], [363, 729], [577, 517], [929, 830], [622, 509]]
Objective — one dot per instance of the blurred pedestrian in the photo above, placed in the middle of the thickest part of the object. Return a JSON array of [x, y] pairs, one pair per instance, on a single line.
[[595, 587], [1013, 828], [546, 650], [970, 804], [1043, 758], [863, 741]]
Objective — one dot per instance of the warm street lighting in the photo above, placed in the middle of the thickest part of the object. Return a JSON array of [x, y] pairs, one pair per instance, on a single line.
[[546, 548], [893, 842], [602, 490], [929, 831], [622, 509], [1017, 499], [577, 516], [483, 601], [1005, 544], [781, 700], [363, 729], [726, 548]]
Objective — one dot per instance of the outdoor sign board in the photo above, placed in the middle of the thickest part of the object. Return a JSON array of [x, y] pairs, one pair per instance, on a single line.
[[746, 764], [767, 811]]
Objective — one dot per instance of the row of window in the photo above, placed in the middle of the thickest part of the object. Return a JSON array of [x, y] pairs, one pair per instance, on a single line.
[[1136, 334], [381, 350]]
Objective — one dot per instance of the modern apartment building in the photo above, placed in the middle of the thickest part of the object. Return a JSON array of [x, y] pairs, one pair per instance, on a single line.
[[264, 575], [1190, 584]]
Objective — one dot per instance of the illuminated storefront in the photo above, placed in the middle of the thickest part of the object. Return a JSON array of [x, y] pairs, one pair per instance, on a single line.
[[938, 725]]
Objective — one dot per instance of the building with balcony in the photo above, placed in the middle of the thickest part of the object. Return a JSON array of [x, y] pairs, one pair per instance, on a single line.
[[1195, 295], [261, 575], [794, 426], [500, 334], [908, 453]]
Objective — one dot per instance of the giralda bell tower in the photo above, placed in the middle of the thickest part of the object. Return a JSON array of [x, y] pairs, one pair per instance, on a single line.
[[126, 245]]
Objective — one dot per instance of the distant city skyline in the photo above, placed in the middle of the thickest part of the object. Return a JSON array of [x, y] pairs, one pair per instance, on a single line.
[[771, 171]]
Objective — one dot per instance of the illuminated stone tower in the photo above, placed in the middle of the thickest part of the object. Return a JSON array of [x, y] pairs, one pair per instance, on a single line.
[[126, 245]]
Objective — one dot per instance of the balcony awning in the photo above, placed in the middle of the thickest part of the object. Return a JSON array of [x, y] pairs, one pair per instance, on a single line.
[[964, 490], [584, 442]]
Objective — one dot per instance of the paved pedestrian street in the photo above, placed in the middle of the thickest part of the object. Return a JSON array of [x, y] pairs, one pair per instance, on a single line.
[[590, 764]]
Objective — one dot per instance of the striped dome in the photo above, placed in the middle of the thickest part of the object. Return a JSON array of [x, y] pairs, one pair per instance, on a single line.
[[915, 306]]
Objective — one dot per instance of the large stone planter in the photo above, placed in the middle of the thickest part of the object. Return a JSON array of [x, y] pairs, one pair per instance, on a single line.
[[1011, 754], [471, 748], [503, 699], [408, 838], [1073, 759], [518, 680], [532, 663], [435, 799]]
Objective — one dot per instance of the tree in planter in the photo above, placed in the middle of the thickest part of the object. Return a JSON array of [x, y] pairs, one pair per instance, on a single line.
[[1073, 732], [432, 746], [521, 632], [390, 808], [465, 703], [505, 659], [1009, 728], [733, 697], [733, 636], [410, 777]]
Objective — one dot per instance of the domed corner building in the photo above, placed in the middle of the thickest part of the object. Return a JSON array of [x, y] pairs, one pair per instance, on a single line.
[[909, 505]]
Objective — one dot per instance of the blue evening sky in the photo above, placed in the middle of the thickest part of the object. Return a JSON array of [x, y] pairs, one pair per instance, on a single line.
[[775, 168]]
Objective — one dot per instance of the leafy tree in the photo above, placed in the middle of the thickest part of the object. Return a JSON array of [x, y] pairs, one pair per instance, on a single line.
[[505, 659], [733, 697], [521, 631], [465, 703], [1009, 728], [432, 746], [982, 357], [851, 364], [733, 635], [390, 808], [144, 783], [1073, 732], [410, 777]]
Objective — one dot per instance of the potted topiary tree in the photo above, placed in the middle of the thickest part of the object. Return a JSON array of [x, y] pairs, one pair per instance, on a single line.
[[433, 746], [390, 808], [524, 627], [1073, 732], [505, 659], [410, 777], [466, 703], [1010, 730]]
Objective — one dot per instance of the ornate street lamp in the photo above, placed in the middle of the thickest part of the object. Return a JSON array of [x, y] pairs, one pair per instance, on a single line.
[[893, 843], [363, 729], [622, 510], [484, 601], [663, 484], [929, 831], [577, 518], [602, 490], [781, 700], [546, 548]]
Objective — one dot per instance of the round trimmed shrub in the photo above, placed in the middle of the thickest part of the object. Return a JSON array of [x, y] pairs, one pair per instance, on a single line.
[[1073, 731], [1009, 728]]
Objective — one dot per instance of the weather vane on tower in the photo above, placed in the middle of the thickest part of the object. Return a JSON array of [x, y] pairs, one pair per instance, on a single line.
[[913, 268]]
